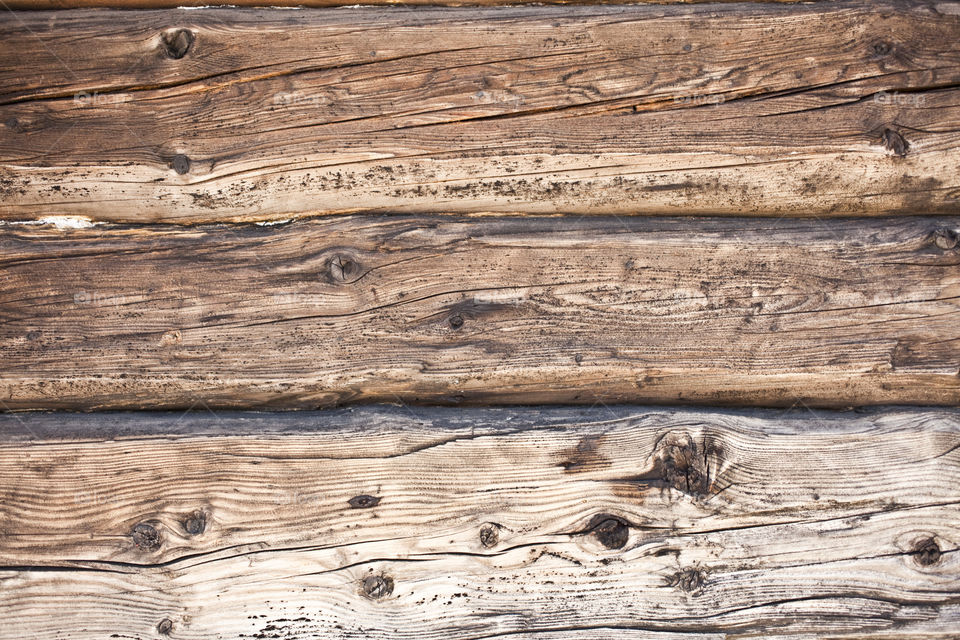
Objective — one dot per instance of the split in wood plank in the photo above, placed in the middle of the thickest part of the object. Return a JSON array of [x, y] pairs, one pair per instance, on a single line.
[[477, 523], [455, 310], [849, 107]]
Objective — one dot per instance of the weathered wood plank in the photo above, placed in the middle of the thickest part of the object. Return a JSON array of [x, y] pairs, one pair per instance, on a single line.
[[528, 309], [164, 4], [557, 523], [229, 114]]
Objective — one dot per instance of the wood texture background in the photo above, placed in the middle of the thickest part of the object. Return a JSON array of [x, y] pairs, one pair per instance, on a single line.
[[449, 140], [431, 523], [459, 310], [159, 4], [772, 109]]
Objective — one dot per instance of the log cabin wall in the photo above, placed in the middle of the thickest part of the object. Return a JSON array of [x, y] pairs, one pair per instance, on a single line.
[[542, 321]]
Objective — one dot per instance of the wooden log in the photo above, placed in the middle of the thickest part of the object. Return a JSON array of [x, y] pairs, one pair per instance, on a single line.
[[829, 108], [164, 4], [464, 310], [479, 523]]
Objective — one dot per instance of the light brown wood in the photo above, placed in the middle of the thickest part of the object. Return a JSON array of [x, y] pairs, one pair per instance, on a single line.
[[161, 4], [556, 523], [227, 114], [451, 310], [166, 4]]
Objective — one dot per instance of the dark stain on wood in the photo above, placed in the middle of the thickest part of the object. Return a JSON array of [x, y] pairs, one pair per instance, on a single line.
[[586, 456]]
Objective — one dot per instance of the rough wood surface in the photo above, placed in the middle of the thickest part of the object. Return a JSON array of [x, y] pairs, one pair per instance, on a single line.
[[161, 4], [431, 523], [234, 114], [557, 309]]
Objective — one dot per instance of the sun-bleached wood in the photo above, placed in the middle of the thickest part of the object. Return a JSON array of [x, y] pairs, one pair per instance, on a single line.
[[826, 108], [409, 522], [464, 310]]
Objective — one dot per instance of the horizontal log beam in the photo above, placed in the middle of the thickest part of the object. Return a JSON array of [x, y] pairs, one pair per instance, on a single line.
[[410, 522], [167, 4], [464, 310], [827, 108]]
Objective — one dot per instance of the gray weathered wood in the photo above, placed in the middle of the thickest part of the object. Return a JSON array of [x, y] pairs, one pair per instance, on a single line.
[[547, 523], [827, 108]]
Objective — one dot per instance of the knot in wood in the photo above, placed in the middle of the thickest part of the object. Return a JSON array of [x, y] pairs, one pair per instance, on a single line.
[[945, 238], [610, 531], [377, 587], [343, 268], [927, 552], [180, 163], [177, 42], [456, 321], [146, 537], [895, 142], [489, 535], [683, 464], [689, 580], [165, 627], [364, 501], [882, 48], [195, 523]]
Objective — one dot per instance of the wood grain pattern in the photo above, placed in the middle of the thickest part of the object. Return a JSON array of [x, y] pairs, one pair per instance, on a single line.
[[481, 523], [465, 310], [831, 108], [162, 4]]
